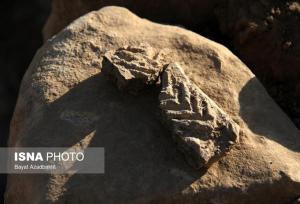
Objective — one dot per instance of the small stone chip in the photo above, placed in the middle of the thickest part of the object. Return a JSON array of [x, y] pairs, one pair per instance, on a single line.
[[133, 67]]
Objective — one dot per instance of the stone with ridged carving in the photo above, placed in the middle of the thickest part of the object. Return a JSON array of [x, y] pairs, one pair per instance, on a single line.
[[201, 129], [133, 67]]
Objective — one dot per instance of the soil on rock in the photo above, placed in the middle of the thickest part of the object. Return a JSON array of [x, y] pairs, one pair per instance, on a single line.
[[266, 35]]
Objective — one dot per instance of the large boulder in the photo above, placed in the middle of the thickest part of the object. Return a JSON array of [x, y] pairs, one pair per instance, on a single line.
[[65, 100], [263, 33], [191, 13]]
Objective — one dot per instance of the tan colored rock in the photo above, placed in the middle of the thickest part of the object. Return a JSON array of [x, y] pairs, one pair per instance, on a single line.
[[65, 100], [202, 131]]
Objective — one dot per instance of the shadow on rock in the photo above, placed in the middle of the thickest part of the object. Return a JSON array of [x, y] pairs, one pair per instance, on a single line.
[[139, 152], [264, 117]]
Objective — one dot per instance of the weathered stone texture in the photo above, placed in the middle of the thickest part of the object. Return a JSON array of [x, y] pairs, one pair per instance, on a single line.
[[201, 129]]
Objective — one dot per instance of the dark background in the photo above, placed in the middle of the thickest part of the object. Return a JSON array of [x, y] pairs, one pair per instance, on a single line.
[[21, 26]]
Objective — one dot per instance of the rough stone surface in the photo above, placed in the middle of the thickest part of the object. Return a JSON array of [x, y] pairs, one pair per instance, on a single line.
[[65, 101], [269, 26], [263, 33], [133, 68], [201, 129]]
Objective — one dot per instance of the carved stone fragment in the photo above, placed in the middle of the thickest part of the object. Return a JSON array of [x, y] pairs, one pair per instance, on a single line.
[[201, 129], [133, 67]]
